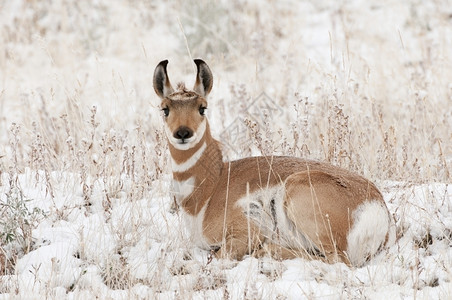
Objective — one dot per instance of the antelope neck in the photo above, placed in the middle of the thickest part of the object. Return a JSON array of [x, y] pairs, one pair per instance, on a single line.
[[181, 156], [202, 165]]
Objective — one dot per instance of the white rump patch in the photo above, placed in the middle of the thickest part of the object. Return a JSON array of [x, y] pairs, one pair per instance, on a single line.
[[372, 223], [189, 162], [189, 143]]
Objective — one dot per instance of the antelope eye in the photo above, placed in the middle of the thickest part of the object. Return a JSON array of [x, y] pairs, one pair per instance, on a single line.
[[165, 111], [202, 110]]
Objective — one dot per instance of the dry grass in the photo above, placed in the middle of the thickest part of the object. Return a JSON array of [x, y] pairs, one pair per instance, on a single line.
[[77, 109]]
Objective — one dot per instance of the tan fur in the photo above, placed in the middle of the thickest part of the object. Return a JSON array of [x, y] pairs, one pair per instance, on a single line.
[[315, 209]]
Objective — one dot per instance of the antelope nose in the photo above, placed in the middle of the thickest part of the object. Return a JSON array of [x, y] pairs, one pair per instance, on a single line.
[[183, 133]]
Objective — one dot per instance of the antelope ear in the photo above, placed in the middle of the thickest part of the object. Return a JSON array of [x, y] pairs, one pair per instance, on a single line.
[[204, 78], [162, 85]]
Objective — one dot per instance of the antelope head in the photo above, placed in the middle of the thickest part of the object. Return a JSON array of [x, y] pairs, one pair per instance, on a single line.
[[183, 110]]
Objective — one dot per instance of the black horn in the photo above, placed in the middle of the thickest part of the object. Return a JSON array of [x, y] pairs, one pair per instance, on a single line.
[[162, 84], [204, 78]]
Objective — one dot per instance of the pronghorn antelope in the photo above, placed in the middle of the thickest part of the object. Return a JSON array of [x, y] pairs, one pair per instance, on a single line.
[[282, 206]]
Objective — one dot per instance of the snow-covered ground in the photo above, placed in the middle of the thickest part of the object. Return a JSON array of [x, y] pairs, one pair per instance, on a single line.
[[138, 251], [85, 209]]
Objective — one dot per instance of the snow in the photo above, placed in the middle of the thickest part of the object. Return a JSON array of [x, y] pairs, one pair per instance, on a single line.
[[84, 159], [72, 257]]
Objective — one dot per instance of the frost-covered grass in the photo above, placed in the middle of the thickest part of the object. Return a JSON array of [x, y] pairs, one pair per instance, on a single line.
[[85, 209]]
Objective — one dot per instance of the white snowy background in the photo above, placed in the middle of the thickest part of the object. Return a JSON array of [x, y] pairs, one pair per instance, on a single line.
[[85, 208]]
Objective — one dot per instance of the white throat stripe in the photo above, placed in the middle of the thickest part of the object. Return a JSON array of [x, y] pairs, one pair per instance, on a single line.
[[189, 162]]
